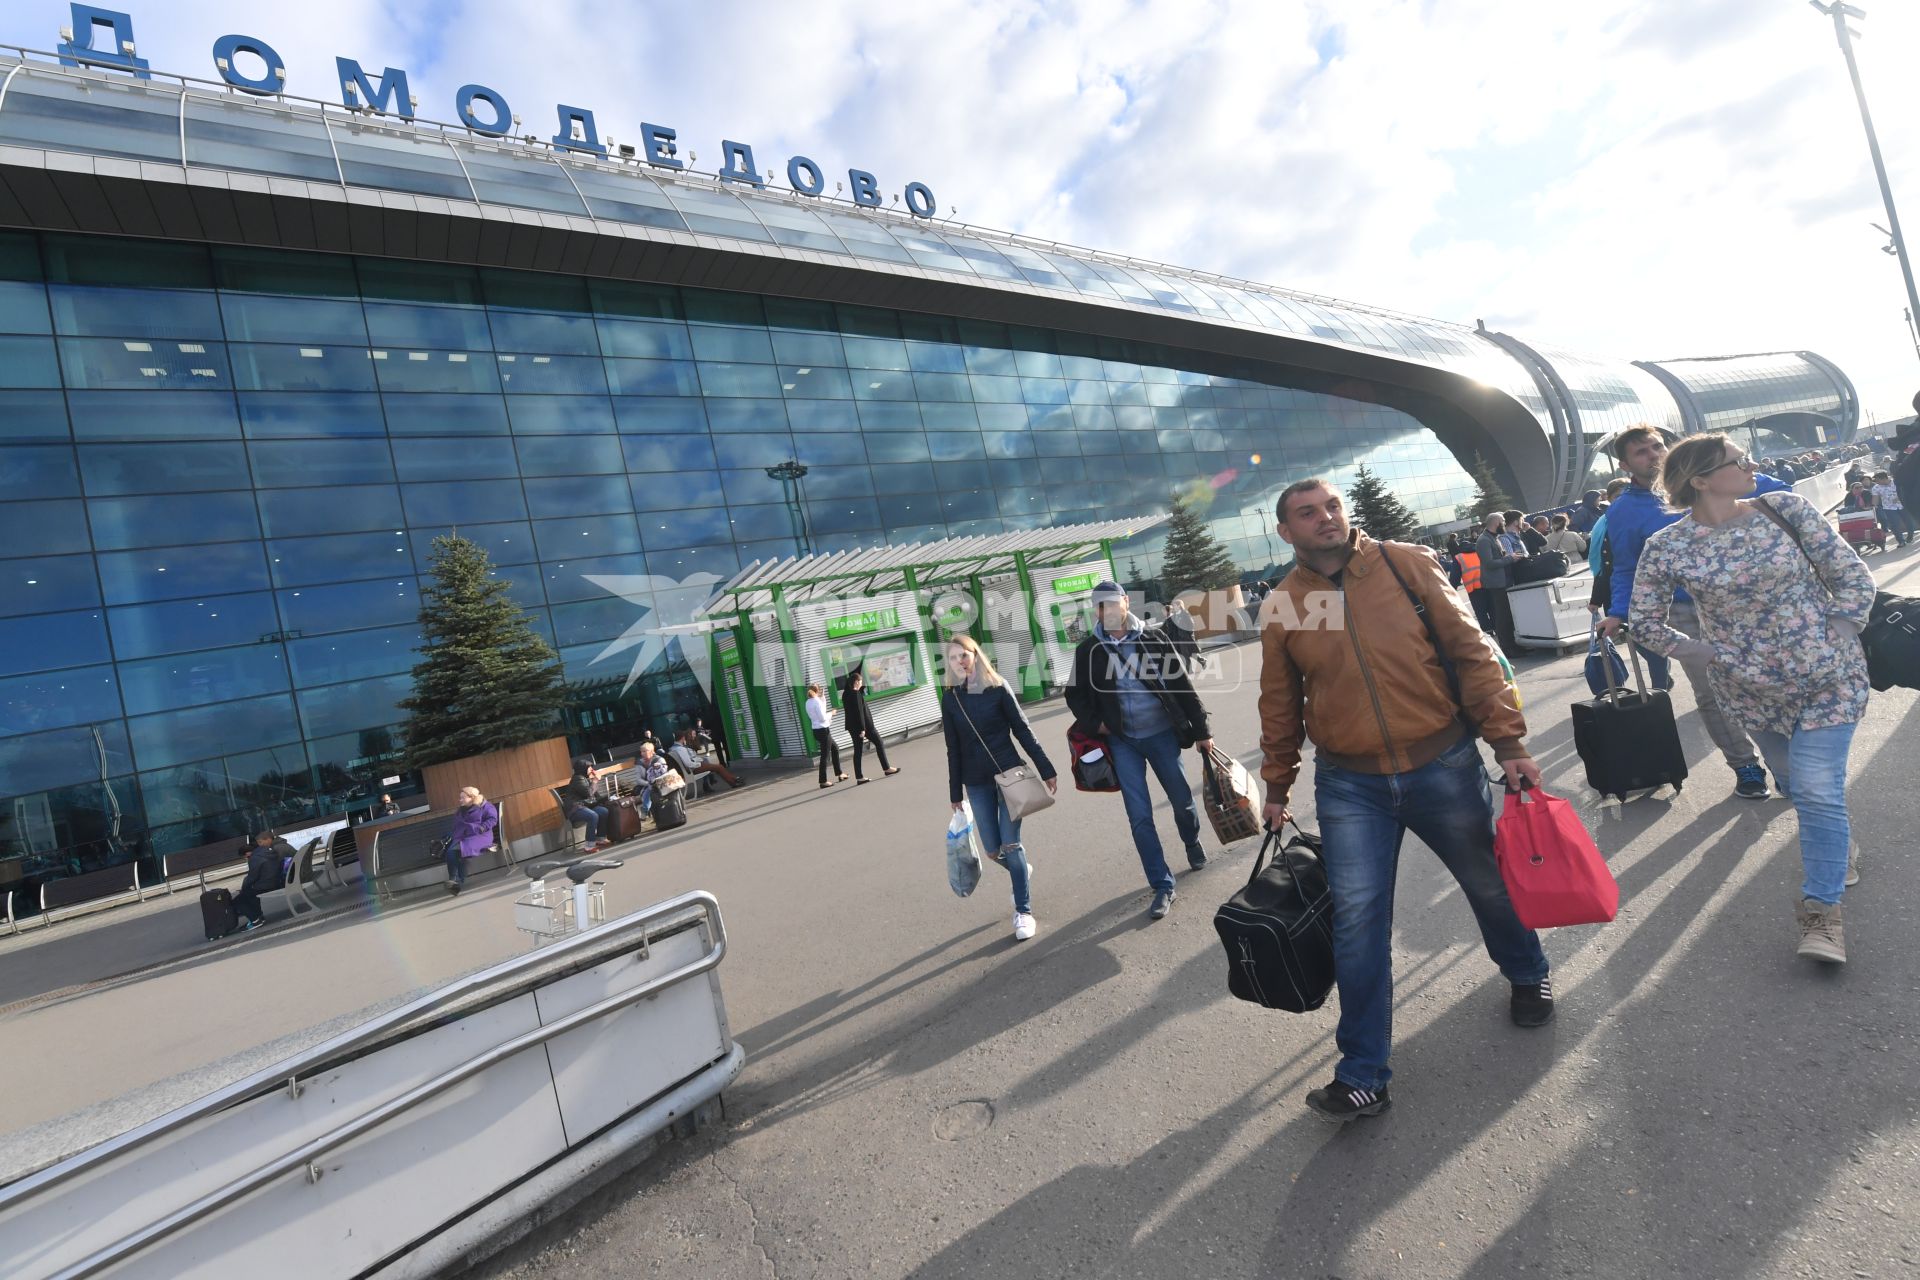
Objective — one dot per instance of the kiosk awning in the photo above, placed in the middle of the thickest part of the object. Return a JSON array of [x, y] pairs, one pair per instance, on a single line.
[[928, 564]]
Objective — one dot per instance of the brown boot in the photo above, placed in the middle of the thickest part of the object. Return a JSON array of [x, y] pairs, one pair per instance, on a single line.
[[1821, 934]]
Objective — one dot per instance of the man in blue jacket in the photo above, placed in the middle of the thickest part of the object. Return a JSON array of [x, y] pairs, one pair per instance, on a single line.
[[1636, 515]]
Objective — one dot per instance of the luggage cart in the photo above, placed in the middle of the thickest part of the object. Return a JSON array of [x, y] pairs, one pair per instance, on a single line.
[[552, 909]]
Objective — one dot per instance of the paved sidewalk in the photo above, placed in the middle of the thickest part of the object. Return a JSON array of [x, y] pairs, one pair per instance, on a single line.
[[924, 1096]]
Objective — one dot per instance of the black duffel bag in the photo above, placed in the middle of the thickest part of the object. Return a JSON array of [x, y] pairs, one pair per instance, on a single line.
[[1278, 931], [1892, 641], [1544, 567]]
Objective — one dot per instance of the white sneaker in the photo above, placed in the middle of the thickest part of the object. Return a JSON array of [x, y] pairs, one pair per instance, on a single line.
[[1023, 926], [1853, 864]]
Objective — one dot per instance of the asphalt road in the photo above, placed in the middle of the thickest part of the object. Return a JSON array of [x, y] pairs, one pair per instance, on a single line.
[[926, 1097]]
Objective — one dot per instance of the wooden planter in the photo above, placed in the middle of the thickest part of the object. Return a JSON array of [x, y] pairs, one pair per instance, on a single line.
[[521, 776]]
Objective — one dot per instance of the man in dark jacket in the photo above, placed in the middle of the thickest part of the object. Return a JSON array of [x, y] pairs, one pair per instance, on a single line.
[[1583, 517], [266, 871], [1130, 686], [583, 803]]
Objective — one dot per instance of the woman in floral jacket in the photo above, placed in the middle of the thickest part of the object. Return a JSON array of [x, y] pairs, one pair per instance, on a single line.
[[1782, 631]]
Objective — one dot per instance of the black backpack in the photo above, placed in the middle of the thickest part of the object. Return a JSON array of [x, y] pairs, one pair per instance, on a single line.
[[1278, 930]]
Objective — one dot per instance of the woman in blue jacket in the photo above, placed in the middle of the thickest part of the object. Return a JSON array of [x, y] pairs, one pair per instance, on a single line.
[[476, 829], [982, 720]]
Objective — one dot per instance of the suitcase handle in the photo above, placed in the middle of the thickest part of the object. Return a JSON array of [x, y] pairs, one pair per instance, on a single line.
[[1614, 691]]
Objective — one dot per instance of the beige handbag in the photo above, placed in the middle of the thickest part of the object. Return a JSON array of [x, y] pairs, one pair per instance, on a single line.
[[1022, 789]]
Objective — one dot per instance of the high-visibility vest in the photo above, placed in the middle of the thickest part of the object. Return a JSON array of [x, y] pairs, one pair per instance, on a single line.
[[1470, 570]]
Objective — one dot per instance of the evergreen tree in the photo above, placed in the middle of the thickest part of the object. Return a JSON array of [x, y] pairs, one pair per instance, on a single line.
[[1488, 496], [1378, 510], [485, 681], [1194, 557]]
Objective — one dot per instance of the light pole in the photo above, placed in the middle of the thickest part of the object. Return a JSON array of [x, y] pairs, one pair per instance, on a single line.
[[790, 473], [1840, 12]]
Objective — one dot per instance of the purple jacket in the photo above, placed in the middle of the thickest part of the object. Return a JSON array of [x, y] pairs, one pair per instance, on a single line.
[[474, 827]]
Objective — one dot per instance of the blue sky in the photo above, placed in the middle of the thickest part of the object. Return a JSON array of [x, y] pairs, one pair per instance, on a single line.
[[1636, 178]]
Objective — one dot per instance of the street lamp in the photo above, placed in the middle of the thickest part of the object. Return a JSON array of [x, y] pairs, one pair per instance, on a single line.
[[790, 473], [1840, 12]]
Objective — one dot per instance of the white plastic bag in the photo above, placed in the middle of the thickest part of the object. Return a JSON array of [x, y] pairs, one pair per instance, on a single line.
[[963, 851]]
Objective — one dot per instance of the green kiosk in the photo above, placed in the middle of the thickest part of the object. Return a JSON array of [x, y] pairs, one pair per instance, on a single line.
[[779, 626]]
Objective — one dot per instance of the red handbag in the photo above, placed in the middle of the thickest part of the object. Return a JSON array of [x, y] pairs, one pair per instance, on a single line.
[[1092, 762], [1554, 873]]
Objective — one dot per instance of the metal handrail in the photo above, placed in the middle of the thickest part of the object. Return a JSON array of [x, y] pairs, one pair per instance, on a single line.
[[312, 1150], [287, 1073]]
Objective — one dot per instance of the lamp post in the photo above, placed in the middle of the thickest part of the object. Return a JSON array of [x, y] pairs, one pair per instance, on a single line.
[[790, 473], [1840, 12]]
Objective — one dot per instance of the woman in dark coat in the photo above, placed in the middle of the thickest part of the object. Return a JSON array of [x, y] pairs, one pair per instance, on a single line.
[[860, 726]]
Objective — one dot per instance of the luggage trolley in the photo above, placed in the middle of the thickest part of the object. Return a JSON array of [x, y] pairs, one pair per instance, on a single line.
[[550, 911]]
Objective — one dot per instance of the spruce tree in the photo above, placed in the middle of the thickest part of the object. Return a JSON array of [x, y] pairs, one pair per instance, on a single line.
[[485, 681], [1378, 510], [1488, 496], [1194, 558]]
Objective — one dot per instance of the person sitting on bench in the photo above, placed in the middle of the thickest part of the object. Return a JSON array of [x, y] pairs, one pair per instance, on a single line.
[[653, 767], [267, 865], [692, 762], [582, 794]]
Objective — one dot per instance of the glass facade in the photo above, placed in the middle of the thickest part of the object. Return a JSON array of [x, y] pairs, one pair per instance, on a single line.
[[1731, 391], [222, 470]]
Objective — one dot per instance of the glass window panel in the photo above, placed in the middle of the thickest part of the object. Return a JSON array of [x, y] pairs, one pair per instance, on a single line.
[[57, 759], [545, 332], [534, 291], [196, 679], [746, 415], [569, 456], [340, 509], [561, 415], [753, 450], [654, 415], [137, 577], [738, 380], [683, 562], [295, 463], [916, 477], [140, 365], [43, 584], [42, 528], [839, 416], [807, 382], [1057, 444], [711, 342], [87, 311], [630, 298], [362, 704], [463, 501], [97, 260], [201, 622], [809, 349], [305, 368], [29, 704], [33, 416], [685, 528], [399, 160], [844, 515], [509, 542], [829, 448], [864, 239], [682, 489], [586, 536], [163, 468], [415, 370], [523, 374], [717, 213], [224, 798], [47, 641], [713, 306], [196, 733], [277, 413], [349, 606], [668, 453], [232, 133], [399, 325], [281, 271], [1009, 444], [948, 446], [646, 339], [626, 197], [942, 386], [585, 621], [569, 581], [28, 362], [577, 495], [889, 415], [300, 562], [839, 482], [478, 459], [747, 488], [411, 281], [154, 415], [898, 446], [653, 377], [38, 471], [445, 415], [165, 520], [314, 321], [353, 655], [524, 179], [110, 117], [767, 520], [797, 227]]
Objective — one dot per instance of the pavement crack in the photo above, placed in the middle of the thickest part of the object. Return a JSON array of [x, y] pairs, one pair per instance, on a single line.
[[772, 1268]]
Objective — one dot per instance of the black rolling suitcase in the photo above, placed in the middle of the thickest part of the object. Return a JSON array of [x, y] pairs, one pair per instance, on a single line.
[[216, 913], [670, 810], [1628, 740]]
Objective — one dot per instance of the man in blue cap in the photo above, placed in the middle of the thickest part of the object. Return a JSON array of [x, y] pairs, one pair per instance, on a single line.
[[1130, 686]]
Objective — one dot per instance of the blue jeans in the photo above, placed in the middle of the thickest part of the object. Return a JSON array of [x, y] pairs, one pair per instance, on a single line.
[[1131, 756], [1898, 523], [1363, 818], [1811, 767], [456, 865], [591, 814], [1000, 837]]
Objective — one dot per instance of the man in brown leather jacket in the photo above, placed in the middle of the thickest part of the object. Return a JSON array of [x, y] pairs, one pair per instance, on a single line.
[[1348, 661]]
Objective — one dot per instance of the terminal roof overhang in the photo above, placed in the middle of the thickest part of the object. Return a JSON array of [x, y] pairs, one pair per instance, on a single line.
[[62, 187]]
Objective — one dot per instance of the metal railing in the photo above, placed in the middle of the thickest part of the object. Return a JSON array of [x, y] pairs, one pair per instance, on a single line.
[[287, 1074]]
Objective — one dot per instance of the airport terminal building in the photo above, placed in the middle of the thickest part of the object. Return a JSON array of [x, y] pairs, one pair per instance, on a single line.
[[257, 351]]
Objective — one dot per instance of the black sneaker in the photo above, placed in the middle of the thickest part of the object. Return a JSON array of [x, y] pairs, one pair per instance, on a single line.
[[1532, 1004], [1162, 903], [1343, 1103], [1196, 856], [1750, 782]]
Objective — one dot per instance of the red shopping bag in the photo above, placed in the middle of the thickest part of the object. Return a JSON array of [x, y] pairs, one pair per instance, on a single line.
[[1554, 873]]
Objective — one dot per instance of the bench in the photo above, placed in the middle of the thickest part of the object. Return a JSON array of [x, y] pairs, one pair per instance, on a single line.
[[77, 895], [222, 858], [295, 893], [400, 858]]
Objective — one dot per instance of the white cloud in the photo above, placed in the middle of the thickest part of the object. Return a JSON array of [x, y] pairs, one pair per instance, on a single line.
[[1634, 178]]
